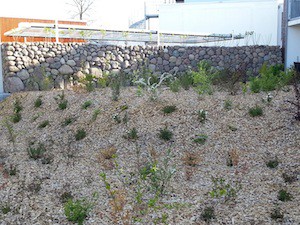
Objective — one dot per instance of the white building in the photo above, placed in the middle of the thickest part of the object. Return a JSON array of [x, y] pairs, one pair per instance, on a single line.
[[261, 18], [292, 37]]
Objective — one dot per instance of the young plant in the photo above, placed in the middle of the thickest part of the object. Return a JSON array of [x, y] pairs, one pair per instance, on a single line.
[[17, 106], [152, 88], [201, 139], [77, 210], [43, 124], [68, 121], [61, 101], [202, 114], [116, 118], [115, 85], [256, 111], [222, 189], [5, 208], [16, 117], [165, 134], [284, 196], [277, 214], [169, 109], [132, 134], [38, 102], [95, 114], [175, 85], [289, 178], [11, 134], [80, 134], [36, 151], [186, 80], [86, 104], [273, 163], [208, 214]]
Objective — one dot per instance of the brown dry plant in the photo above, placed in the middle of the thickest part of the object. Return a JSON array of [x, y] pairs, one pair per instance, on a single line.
[[106, 157]]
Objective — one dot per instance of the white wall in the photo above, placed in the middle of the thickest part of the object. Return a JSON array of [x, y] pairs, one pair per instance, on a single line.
[[224, 18], [293, 45]]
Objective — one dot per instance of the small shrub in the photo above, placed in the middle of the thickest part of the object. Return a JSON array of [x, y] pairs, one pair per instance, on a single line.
[[43, 124], [36, 152], [289, 178], [276, 214], [11, 170], [86, 104], [284, 196], [132, 134], [77, 211], [169, 109], [186, 81], [228, 104], [17, 106], [115, 86], [16, 117], [256, 111], [124, 107], [68, 121], [80, 134], [5, 209], [165, 134], [61, 101], [208, 214], [95, 114], [255, 85], [223, 189], [273, 163], [175, 85], [11, 133], [201, 138], [38, 102], [202, 114]]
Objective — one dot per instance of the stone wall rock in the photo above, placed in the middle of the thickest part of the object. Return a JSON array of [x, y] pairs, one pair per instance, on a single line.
[[22, 62]]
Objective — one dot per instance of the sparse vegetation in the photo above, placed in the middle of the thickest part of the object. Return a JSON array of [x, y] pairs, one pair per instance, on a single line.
[[68, 121], [77, 210], [273, 163], [202, 114], [228, 104], [36, 151], [87, 104], [201, 138], [256, 111], [80, 134], [96, 112], [132, 134], [284, 196], [61, 101], [43, 124], [208, 214], [277, 214], [38, 102], [165, 134], [169, 109]]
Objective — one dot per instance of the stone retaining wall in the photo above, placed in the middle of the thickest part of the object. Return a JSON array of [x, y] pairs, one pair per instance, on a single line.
[[26, 64]]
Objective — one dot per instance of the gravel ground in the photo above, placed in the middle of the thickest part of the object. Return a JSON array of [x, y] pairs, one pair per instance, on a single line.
[[34, 193]]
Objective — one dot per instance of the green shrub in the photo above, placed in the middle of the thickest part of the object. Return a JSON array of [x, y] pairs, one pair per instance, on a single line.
[[5, 209], [273, 163], [80, 134], [169, 109], [16, 117], [256, 111], [36, 152], [208, 214], [86, 104], [203, 77], [68, 121], [270, 79], [284, 196], [132, 134], [186, 80], [38, 102], [165, 134], [175, 85], [223, 189], [201, 139], [77, 211], [43, 124]]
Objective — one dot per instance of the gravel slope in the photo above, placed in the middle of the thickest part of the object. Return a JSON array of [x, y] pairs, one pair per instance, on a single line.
[[34, 192]]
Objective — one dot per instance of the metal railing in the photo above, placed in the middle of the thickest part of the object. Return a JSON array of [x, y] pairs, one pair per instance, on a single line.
[[294, 9]]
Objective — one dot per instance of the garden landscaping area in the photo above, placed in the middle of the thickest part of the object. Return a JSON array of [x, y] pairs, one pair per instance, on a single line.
[[166, 151]]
